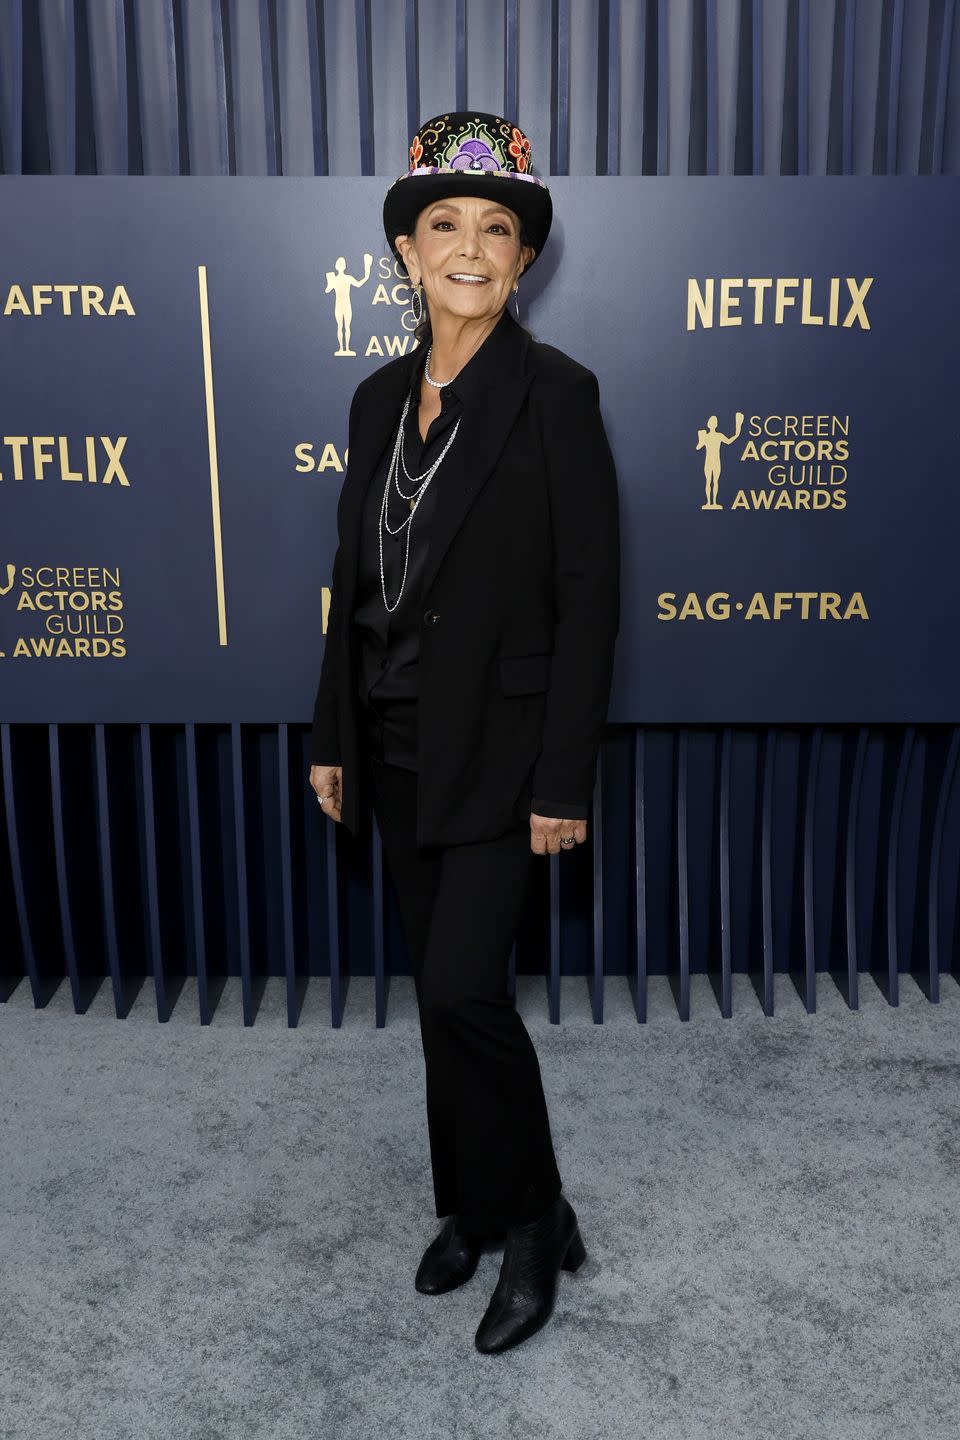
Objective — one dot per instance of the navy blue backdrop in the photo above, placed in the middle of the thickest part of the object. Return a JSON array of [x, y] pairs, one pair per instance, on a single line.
[[816, 827], [776, 367]]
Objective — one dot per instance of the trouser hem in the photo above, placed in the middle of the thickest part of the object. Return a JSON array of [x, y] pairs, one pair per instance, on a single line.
[[492, 1224]]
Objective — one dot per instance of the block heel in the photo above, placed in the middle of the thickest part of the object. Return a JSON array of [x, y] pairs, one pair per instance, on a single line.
[[576, 1253]]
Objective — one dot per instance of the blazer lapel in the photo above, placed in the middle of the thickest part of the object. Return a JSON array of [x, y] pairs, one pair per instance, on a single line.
[[483, 431], [484, 427]]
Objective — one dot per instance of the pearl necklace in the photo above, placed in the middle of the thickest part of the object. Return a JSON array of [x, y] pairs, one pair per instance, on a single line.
[[439, 384]]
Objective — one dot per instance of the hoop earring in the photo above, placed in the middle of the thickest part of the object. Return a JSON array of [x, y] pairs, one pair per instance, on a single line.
[[416, 295]]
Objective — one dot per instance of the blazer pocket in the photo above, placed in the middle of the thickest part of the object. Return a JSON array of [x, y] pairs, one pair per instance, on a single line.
[[525, 674]]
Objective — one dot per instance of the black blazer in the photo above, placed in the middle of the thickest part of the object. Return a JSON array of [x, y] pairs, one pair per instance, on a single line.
[[521, 598]]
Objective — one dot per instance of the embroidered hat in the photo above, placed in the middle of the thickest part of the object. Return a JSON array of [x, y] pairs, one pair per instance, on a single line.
[[469, 152]]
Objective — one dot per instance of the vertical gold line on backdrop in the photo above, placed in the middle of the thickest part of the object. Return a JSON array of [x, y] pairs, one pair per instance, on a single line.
[[212, 450]]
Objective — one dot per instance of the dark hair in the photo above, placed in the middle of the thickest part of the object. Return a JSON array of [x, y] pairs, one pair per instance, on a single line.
[[423, 333]]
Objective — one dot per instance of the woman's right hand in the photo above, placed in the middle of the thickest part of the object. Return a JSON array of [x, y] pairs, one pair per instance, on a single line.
[[326, 781]]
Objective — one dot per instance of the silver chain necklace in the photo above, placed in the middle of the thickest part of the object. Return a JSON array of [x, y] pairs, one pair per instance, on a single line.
[[415, 479], [421, 481]]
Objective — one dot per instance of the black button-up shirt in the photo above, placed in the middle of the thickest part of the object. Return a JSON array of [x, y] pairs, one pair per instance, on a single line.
[[389, 641]]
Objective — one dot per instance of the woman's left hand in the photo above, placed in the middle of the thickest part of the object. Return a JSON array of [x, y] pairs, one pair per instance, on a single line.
[[545, 834]]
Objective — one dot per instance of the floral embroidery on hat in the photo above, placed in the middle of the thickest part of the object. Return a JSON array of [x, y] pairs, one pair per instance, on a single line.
[[474, 155], [474, 148], [519, 148], [499, 148]]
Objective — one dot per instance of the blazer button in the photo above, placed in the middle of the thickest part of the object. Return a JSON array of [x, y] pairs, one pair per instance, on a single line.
[[431, 617]]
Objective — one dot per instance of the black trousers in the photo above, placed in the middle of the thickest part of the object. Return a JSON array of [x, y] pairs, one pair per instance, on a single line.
[[490, 1145]]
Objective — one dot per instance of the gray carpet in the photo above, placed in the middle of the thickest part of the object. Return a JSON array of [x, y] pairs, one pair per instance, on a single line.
[[208, 1234]]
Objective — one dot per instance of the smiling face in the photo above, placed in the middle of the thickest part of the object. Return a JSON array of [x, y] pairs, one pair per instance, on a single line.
[[465, 235]]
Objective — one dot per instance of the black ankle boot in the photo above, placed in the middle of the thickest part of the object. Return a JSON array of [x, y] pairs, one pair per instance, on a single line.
[[533, 1256], [448, 1261]]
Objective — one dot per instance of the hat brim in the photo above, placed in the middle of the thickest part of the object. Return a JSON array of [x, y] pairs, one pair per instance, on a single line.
[[526, 196]]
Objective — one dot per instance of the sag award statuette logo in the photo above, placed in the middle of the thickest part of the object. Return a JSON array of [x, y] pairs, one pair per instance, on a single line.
[[341, 284], [710, 441]]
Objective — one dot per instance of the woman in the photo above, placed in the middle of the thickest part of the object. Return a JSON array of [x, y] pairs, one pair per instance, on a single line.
[[466, 675]]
